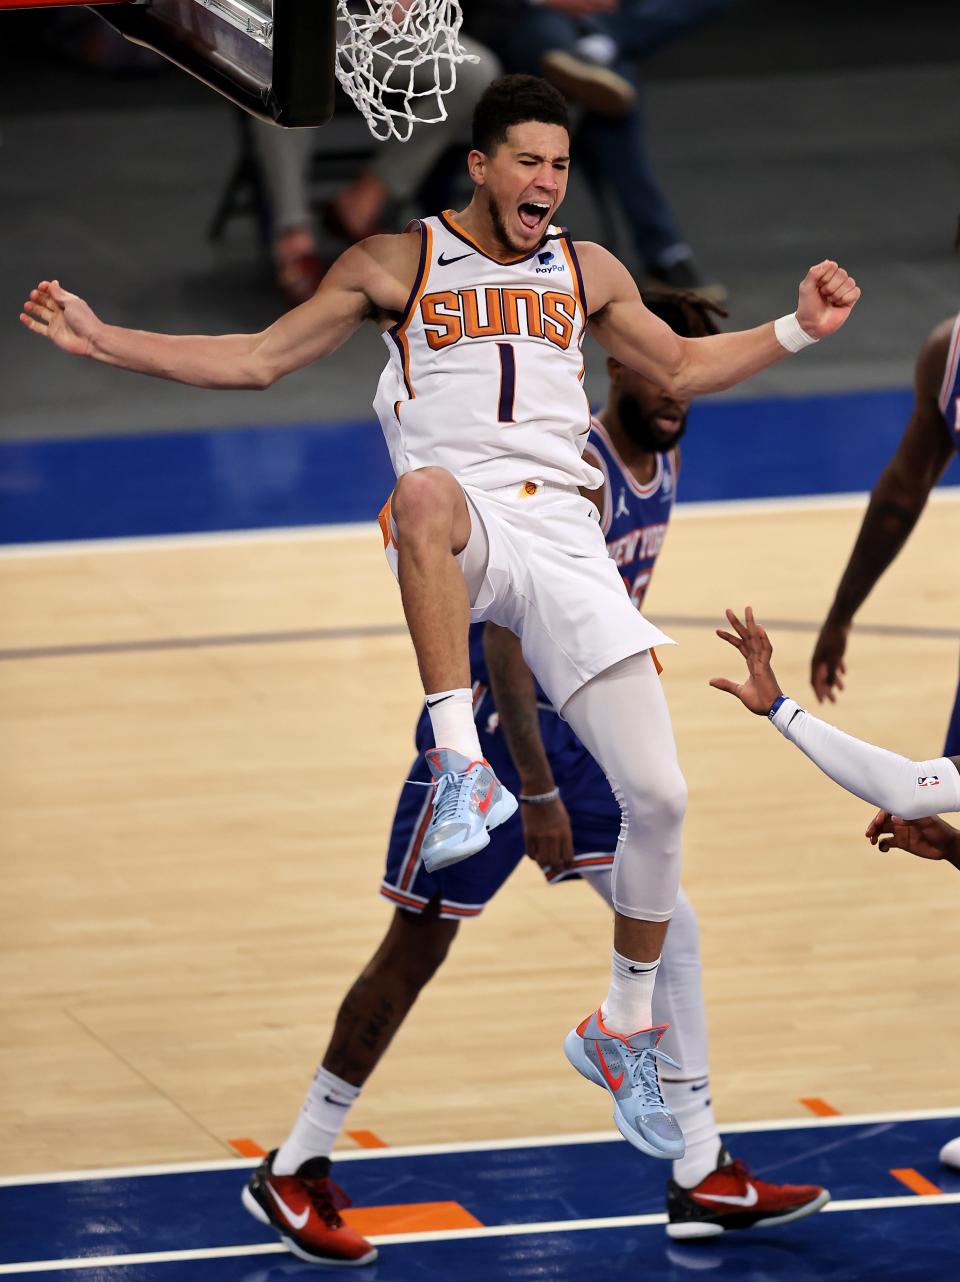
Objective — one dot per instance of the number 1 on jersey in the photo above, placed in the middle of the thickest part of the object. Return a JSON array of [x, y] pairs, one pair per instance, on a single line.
[[508, 382]]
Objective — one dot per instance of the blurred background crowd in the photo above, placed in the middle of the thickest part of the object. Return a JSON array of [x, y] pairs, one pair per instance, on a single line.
[[719, 145]]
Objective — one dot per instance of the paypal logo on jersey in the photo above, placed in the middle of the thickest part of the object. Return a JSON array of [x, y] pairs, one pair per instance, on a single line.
[[547, 264]]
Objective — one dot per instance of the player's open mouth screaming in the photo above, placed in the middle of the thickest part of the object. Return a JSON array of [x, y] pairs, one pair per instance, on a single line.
[[533, 214]]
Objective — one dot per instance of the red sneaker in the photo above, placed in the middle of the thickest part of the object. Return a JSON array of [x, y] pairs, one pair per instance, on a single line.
[[731, 1198], [305, 1210]]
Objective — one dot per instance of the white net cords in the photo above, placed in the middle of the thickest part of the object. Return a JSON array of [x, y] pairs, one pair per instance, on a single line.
[[397, 59]]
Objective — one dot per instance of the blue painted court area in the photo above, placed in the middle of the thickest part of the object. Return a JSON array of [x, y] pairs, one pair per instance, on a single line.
[[311, 474], [562, 1209]]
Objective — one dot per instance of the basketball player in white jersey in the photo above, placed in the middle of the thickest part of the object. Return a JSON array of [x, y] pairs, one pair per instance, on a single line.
[[482, 405]]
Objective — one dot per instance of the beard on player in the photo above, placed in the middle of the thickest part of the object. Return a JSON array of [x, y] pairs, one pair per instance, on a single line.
[[653, 424]]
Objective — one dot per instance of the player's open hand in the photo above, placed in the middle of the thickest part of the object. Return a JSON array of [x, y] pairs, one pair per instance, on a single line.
[[931, 838], [827, 668], [60, 316], [548, 835], [760, 688], [827, 296]]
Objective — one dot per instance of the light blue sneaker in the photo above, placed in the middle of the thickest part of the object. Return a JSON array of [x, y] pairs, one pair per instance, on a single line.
[[468, 800], [627, 1068]]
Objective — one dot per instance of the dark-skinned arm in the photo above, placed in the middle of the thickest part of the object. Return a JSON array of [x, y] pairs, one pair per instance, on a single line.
[[546, 827], [896, 502]]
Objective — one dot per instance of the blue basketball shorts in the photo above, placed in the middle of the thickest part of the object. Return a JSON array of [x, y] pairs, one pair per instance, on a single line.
[[464, 889]]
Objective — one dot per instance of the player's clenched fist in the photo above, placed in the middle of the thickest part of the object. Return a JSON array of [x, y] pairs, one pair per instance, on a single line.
[[827, 296], [60, 316]]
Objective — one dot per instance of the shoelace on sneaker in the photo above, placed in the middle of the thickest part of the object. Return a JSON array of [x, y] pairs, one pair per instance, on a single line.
[[642, 1067], [327, 1199], [447, 798]]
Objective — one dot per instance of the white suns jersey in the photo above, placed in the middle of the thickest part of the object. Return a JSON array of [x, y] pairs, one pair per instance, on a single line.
[[485, 376]]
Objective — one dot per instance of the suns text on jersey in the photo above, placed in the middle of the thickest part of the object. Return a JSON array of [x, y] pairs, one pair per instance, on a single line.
[[451, 315]]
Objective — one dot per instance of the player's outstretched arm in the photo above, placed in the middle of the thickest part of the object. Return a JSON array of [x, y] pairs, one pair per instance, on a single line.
[[689, 367], [910, 789], [546, 824], [930, 837], [898, 498], [247, 361]]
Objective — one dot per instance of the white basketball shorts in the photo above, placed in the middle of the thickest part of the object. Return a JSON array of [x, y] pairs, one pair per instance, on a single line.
[[536, 562]]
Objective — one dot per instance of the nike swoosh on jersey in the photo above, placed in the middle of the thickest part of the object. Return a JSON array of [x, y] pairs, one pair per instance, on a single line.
[[750, 1198], [294, 1220], [445, 262]]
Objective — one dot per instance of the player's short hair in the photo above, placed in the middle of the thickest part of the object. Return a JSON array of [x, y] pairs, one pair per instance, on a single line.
[[513, 100], [688, 314]]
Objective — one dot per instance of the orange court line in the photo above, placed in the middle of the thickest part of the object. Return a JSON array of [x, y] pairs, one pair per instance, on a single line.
[[367, 1139], [247, 1148], [414, 1217], [914, 1181], [820, 1107]]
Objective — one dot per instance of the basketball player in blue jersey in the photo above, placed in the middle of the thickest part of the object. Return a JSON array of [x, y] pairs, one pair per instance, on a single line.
[[482, 406], [928, 444], [569, 822]]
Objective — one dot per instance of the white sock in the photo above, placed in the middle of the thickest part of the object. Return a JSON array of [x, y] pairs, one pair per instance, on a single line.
[[689, 1101], [628, 1004], [451, 715], [321, 1120]]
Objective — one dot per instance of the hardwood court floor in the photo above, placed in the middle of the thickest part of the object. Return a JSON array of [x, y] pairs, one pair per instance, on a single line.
[[193, 835]]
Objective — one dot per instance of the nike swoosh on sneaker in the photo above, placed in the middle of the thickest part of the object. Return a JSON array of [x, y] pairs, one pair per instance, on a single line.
[[442, 261], [294, 1220], [613, 1082], [750, 1198], [484, 805]]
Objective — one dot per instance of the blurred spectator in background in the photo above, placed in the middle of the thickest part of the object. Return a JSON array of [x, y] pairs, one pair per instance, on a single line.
[[588, 49], [371, 201]]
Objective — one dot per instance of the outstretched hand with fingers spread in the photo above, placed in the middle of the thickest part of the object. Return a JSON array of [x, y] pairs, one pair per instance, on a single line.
[[827, 297], [760, 689], [62, 317]]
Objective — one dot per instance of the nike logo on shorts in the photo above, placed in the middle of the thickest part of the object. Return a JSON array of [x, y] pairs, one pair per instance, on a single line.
[[294, 1220], [442, 261]]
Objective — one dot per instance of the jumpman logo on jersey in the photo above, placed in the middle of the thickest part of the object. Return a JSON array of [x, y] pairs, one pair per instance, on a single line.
[[622, 509]]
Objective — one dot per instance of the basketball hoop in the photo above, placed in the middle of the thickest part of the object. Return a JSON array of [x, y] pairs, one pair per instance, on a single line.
[[397, 60]]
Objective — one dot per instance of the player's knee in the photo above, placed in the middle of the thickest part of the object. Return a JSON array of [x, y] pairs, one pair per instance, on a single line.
[[657, 800], [424, 499], [419, 944]]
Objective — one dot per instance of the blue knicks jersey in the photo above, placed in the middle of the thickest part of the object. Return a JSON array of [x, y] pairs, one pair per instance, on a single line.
[[949, 399], [634, 517], [634, 520]]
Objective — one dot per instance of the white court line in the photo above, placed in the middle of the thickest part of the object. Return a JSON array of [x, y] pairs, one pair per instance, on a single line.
[[445, 1235], [370, 529], [475, 1146]]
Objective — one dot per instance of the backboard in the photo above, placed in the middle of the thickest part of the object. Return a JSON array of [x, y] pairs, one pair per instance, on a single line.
[[274, 58]]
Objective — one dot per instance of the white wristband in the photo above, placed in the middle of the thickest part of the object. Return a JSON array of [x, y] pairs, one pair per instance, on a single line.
[[791, 335]]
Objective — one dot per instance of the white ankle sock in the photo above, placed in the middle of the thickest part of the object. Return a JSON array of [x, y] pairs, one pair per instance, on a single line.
[[689, 1102], [451, 715], [321, 1120], [628, 1004]]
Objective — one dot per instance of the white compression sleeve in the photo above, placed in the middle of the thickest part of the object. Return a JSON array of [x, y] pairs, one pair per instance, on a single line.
[[910, 789]]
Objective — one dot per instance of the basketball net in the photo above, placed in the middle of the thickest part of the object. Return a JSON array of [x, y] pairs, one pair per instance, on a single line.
[[397, 59]]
